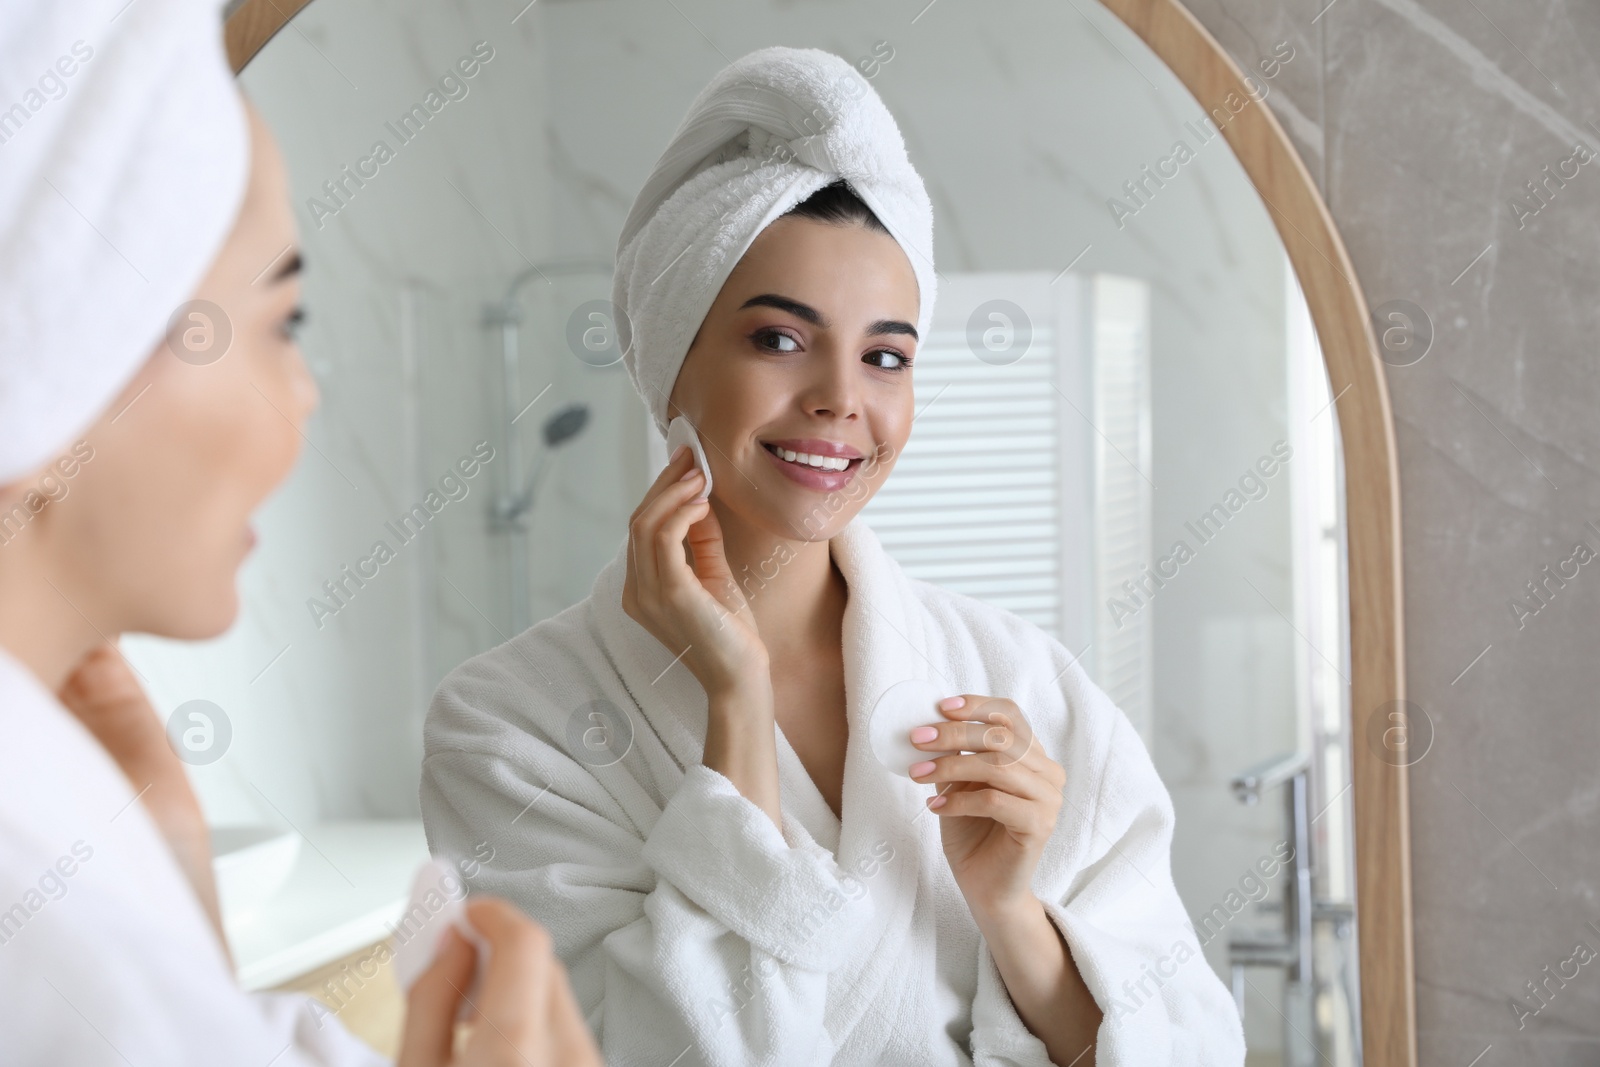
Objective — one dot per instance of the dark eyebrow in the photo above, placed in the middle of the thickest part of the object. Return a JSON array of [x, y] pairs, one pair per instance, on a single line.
[[893, 326], [816, 318]]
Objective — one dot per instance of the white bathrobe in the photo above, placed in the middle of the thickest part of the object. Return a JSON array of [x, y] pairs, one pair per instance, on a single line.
[[105, 954], [693, 928]]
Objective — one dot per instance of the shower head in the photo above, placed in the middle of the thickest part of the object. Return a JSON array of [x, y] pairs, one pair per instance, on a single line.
[[565, 424], [558, 429]]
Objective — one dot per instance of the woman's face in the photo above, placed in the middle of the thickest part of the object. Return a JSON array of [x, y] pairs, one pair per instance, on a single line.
[[156, 523], [807, 348]]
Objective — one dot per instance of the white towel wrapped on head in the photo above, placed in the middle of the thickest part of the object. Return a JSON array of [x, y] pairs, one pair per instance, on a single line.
[[770, 129], [124, 150]]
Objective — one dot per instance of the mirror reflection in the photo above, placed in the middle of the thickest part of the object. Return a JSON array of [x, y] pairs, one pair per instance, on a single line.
[[1123, 435]]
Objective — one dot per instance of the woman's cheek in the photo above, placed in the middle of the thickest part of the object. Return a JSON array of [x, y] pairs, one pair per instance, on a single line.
[[284, 394], [183, 539], [239, 441], [278, 447], [303, 386]]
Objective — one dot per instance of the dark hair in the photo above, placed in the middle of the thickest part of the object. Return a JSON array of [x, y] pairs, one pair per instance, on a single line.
[[837, 203]]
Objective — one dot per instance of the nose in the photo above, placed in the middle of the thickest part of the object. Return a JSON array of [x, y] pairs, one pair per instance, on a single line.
[[834, 392]]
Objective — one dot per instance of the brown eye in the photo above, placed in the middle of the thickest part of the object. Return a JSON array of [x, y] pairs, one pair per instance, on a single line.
[[901, 361], [764, 336]]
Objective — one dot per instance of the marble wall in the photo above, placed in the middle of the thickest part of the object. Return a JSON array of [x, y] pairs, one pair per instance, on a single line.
[[1423, 122]]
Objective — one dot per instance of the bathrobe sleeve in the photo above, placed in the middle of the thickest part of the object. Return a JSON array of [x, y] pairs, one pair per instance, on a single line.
[[695, 926], [1120, 913]]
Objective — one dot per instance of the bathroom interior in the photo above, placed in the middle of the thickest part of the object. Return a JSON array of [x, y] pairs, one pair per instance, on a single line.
[[1126, 434]]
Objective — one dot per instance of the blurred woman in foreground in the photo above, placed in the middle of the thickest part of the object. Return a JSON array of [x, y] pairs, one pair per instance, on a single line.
[[151, 397]]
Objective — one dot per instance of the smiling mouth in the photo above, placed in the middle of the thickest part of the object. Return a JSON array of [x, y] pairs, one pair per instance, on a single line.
[[810, 462]]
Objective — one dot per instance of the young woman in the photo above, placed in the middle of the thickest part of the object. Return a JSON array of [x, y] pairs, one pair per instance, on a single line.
[[131, 459], [677, 773]]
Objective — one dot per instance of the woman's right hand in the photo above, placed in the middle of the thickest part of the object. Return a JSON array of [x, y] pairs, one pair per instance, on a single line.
[[523, 1016], [696, 611]]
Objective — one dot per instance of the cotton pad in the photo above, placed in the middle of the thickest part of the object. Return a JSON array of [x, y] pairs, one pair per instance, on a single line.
[[438, 902], [903, 707], [679, 432]]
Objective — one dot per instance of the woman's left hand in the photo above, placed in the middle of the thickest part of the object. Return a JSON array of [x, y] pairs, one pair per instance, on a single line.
[[998, 801]]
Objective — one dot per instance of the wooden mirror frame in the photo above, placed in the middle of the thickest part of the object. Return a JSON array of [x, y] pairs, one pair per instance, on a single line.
[[1372, 484]]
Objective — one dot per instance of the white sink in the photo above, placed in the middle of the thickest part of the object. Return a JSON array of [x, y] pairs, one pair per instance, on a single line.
[[252, 863], [345, 888]]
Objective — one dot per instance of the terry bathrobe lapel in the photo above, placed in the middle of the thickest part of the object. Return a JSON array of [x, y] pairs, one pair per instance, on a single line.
[[884, 642]]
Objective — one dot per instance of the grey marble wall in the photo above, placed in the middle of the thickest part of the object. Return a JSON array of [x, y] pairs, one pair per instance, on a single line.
[[1423, 120]]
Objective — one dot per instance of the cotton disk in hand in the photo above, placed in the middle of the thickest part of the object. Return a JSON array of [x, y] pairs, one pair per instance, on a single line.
[[438, 901], [903, 707], [679, 432]]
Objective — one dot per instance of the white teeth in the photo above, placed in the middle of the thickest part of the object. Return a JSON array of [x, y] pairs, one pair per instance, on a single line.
[[827, 463]]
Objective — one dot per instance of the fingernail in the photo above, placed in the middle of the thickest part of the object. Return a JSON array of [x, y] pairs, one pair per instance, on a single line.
[[676, 452], [952, 703], [690, 473], [919, 769], [923, 734], [936, 802]]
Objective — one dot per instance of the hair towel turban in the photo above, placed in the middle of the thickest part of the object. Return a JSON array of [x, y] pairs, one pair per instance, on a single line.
[[124, 153], [770, 129]]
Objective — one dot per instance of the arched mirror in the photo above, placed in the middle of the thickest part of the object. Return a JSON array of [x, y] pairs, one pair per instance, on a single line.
[[1151, 421]]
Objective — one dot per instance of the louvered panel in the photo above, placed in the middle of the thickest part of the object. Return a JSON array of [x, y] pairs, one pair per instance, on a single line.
[[957, 480], [976, 569], [978, 556], [1020, 441], [910, 523], [963, 533], [991, 431], [977, 547], [1013, 450], [1026, 601]]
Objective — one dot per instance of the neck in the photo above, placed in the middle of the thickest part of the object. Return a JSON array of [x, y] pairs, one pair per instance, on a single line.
[[41, 624], [795, 593]]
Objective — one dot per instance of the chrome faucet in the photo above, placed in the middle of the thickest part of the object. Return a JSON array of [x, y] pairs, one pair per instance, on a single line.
[[1292, 950]]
